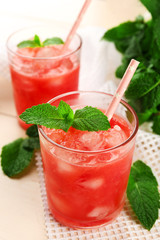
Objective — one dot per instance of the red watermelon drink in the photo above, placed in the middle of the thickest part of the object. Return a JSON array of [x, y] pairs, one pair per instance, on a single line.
[[41, 73], [86, 173]]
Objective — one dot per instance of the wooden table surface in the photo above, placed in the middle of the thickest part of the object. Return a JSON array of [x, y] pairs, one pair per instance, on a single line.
[[21, 210]]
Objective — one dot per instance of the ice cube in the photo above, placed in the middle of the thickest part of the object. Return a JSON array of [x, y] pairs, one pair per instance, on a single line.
[[116, 127], [93, 183], [59, 204], [67, 63], [92, 140], [47, 64], [98, 212], [47, 52], [27, 52], [115, 136], [64, 167]]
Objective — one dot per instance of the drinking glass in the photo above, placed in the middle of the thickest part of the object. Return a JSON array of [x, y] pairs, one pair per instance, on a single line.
[[86, 188]]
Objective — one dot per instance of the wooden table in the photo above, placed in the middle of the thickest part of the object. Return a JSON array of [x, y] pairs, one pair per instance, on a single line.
[[21, 210]]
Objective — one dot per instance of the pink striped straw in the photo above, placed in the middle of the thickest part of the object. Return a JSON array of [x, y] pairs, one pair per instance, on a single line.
[[122, 87], [76, 24]]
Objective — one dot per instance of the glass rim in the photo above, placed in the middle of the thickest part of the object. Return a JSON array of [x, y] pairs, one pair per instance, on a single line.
[[97, 151], [42, 58]]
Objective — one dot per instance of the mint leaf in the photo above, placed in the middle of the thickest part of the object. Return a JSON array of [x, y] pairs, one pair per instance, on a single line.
[[151, 100], [156, 124], [27, 43], [53, 41], [124, 30], [140, 171], [134, 48], [31, 143], [143, 195], [15, 157], [30, 43], [90, 119], [37, 41], [63, 117], [141, 84], [156, 31], [145, 116], [32, 131], [48, 116], [152, 6]]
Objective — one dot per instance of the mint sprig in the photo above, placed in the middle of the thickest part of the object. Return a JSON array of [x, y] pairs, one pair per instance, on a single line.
[[16, 156], [140, 39], [63, 117], [36, 42], [143, 195]]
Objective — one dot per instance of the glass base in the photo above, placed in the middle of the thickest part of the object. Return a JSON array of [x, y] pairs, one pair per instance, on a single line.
[[87, 224]]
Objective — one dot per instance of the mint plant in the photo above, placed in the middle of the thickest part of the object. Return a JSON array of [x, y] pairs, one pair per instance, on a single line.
[[140, 39]]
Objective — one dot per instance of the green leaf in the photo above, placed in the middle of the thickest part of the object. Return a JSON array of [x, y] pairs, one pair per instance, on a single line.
[[145, 116], [152, 6], [31, 143], [15, 157], [124, 30], [156, 31], [140, 171], [32, 131], [90, 119], [134, 49], [53, 41], [37, 41], [27, 43], [65, 110], [141, 84], [143, 195], [147, 37], [156, 124], [151, 100], [46, 115]]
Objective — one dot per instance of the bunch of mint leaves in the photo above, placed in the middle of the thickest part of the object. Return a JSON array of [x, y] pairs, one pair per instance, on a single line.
[[36, 42], [140, 39]]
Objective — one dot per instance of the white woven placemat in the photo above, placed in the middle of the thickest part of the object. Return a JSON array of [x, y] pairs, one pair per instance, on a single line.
[[126, 226]]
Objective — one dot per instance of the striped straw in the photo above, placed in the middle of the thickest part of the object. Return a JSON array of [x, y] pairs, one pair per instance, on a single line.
[[122, 87]]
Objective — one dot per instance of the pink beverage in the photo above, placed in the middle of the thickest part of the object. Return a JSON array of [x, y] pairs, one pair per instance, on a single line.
[[86, 173], [41, 73]]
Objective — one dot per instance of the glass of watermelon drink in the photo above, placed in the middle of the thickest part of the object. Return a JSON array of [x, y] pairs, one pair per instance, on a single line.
[[41, 73], [86, 173]]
